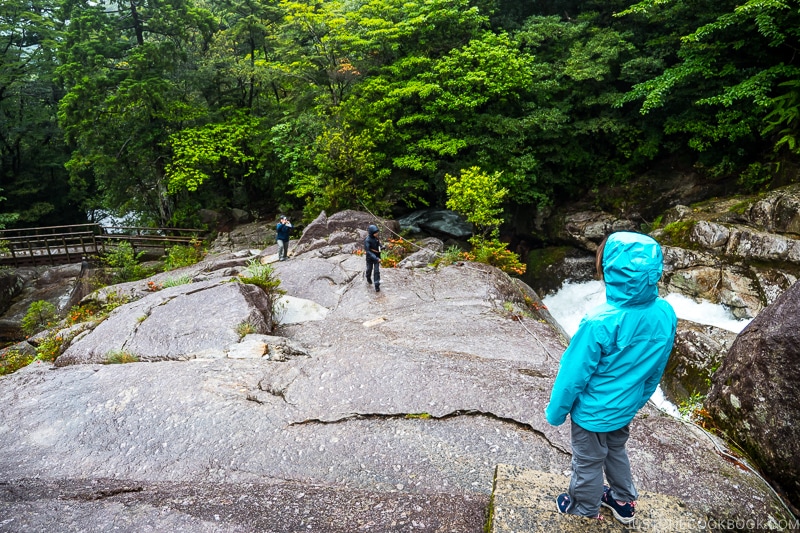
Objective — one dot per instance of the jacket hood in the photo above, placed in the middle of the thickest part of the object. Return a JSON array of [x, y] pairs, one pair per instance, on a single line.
[[632, 265]]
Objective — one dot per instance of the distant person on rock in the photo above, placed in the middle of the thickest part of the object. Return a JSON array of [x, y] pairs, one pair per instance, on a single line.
[[283, 229], [610, 369], [372, 249]]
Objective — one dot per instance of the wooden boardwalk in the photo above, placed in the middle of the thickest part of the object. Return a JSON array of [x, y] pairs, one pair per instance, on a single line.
[[60, 245]]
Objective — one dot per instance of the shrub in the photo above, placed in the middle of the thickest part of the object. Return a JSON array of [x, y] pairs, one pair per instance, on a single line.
[[13, 360], [394, 251], [479, 197], [125, 264], [494, 252], [182, 255], [50, 347], [261, 275], [41, 315]]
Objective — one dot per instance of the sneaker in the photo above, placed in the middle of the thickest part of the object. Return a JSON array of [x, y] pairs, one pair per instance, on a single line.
[[623, 511], [563, 501]]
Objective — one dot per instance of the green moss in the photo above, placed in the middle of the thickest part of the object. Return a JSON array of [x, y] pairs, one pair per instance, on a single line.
[[541, 258], [741, 207], [678, 233]]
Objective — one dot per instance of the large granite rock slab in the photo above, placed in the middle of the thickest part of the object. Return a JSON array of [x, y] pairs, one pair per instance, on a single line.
[[175, 323], [403, 400]]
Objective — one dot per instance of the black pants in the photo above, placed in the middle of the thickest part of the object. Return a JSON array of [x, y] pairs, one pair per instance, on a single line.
[[376, 264]]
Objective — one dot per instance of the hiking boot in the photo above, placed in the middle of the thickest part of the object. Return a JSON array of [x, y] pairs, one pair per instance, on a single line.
[[369, 280], [377, 288], [623, 511]]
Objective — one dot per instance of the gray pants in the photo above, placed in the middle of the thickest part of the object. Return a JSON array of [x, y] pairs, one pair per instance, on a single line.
[[376, 266], [283, 246], [593, 453]]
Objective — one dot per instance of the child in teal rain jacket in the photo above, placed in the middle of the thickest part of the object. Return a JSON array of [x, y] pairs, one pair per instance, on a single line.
[[610, 369]]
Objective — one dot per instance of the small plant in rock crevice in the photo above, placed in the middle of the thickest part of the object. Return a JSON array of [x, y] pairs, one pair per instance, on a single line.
[[176, 281], [261, 275], [81, 313], [50, 347], [452, 254], [12, 360], [116, 357], [244, 329]]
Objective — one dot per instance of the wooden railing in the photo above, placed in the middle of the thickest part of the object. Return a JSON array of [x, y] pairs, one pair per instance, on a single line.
[[58, 245]]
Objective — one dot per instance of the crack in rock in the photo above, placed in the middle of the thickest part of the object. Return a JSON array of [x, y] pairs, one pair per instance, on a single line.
[[426, 416], [108, 493]]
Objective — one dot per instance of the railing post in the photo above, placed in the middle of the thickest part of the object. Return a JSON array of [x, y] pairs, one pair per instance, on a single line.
[[66, 248], [49, 254]]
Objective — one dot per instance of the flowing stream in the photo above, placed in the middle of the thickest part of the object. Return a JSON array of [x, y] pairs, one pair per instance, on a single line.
[[570, 303]]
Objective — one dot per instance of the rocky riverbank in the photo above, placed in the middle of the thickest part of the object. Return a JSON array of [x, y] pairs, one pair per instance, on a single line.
[[387, 412]]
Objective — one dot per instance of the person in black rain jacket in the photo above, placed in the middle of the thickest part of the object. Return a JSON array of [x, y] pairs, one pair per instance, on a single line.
[[372, 249]]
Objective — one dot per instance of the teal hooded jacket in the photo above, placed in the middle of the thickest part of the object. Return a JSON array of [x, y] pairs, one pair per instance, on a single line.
[[616, 358]]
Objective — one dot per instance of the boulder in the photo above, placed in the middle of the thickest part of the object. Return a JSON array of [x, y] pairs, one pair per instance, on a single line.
[[438, 221], [175, 323], [11, 284], [702, 275], [51, 284], [778, 212], [754, 393], [427, 250], [256, 235], [341, 229], [697, 353], [586, 229]]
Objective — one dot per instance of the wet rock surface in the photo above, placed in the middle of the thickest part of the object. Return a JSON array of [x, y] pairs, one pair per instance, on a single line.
[[697, 353], [753, 395], [180, 322], [389, 412]]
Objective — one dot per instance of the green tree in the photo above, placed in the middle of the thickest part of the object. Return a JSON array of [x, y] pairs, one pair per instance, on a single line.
[[41, 315], [32, 152], [734, 79], [479, 197], [124, 65], [344, 147]]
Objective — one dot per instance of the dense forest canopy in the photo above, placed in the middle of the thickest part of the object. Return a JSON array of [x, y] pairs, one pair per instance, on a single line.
[[163, 107]]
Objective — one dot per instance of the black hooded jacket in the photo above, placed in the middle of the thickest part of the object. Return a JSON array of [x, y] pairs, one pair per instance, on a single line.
[[372, 244]]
